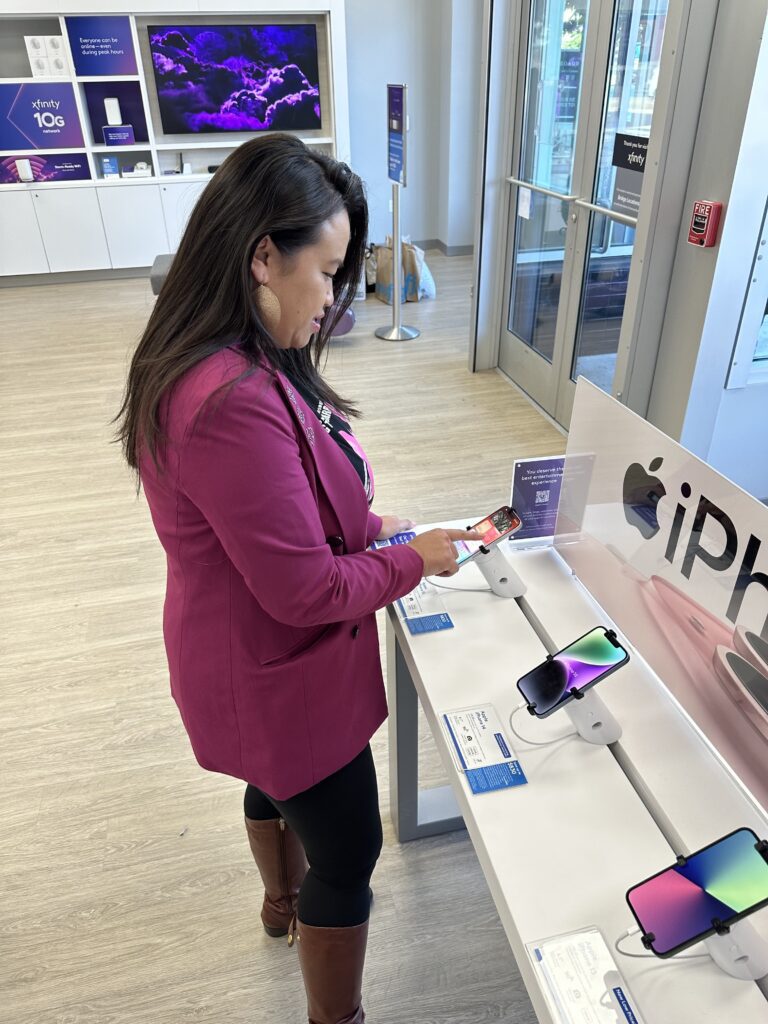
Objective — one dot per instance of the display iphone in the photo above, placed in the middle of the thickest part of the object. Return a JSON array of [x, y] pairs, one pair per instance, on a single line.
[[701, 894], [495, 527], [578, 666]]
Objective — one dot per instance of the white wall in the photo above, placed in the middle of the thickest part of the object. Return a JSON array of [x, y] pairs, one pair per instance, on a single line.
[[689, 400], [433, 46], [461, 103]]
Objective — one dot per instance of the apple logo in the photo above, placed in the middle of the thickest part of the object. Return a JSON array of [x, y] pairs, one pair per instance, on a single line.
[[642, 494]]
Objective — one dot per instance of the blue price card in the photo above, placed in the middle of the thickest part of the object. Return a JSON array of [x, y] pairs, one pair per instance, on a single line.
[[580, 981], [423, 610], [481, 750], [399, 538]]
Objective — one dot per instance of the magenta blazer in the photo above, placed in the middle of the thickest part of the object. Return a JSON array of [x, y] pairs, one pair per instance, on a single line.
[[269, 618]]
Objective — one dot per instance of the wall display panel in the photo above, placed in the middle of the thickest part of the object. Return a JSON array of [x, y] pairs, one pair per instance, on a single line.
[[236, 78], [111, 104], [101, 45], [41, 168], [187, 140], [38, 116], [677, 556]]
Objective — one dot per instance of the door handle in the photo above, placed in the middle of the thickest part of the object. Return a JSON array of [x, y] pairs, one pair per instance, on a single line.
[[540, 188], [622, 218]]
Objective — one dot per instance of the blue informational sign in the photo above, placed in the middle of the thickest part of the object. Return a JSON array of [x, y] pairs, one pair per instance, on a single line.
[[536, 487], [102, 45], [38, 115], [396, 132], [39, 168]]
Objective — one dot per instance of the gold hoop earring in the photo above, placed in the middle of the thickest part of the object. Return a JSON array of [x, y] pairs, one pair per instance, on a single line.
[[268, 306]]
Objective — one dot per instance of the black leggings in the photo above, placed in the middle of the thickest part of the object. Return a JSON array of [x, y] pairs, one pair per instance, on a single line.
[[339, 825]]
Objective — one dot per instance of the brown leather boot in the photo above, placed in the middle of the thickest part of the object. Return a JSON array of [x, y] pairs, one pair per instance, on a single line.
[[282, 865], [332, 962]]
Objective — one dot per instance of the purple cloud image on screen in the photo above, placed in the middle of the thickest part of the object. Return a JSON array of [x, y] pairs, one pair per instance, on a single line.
[[236, 78]]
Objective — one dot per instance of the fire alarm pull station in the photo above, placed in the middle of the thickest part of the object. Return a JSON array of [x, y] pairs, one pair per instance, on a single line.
[[704, 223]]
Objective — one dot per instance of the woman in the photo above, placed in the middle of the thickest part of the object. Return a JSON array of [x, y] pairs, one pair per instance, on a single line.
[[260, 496]]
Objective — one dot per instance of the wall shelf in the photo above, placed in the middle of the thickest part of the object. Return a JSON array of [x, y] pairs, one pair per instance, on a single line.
[[325, 140], [40, 80], [136, 147], [108, 78], [41, 152]]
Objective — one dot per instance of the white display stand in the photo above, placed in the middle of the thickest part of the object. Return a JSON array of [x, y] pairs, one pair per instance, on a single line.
[[560, 853], [593, 721], [578, 808], [146, 216], [497, 570]]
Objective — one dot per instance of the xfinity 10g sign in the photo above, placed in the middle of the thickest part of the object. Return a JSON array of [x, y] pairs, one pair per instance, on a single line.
[[38, 116], [677, 555]]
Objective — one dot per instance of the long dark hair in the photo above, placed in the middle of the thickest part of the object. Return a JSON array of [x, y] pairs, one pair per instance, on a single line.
[[276, 186]]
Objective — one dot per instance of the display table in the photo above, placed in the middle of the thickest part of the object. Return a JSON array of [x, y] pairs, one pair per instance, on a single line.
[[559, 853]]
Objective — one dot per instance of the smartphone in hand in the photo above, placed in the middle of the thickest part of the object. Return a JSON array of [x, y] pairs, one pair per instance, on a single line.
[[495, 527]]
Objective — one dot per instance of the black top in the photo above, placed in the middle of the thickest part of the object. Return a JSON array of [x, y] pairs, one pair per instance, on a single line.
[[340, 430]]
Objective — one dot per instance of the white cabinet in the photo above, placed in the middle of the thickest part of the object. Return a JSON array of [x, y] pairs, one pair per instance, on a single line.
[[21, 251], [134, 224], [70, 223], [179, 198]]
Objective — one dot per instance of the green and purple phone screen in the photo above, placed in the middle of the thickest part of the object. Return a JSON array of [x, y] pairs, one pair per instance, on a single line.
[[723, 880], [578, 665]]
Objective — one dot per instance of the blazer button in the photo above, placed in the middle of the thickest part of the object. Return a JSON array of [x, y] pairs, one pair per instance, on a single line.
[[355, 632], [335, 542]]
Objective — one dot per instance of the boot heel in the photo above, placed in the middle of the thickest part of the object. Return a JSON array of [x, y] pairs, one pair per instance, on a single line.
[[275, 933]]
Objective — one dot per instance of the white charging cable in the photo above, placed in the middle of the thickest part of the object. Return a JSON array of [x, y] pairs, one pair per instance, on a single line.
[[535, 743], [644, 956], [465, 590]]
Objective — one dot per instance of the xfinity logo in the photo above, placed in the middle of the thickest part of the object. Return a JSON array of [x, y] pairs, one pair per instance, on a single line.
[[46, 104], [643, 491]]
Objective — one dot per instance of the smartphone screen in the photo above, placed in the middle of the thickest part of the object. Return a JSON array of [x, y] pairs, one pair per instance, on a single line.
[[581, 664], [724, 881], [499, 524]]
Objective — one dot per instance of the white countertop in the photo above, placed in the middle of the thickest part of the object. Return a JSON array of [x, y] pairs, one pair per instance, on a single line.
[[559, 853]]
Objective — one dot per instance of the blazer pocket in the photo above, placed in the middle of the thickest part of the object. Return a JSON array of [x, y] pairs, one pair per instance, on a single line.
[[286, 649]]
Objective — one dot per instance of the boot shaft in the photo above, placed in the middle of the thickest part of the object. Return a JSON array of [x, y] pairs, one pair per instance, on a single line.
[[332, 961], [282, 864]]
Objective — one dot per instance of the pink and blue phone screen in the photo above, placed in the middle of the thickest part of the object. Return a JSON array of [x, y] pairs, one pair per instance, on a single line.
[[719, 882]]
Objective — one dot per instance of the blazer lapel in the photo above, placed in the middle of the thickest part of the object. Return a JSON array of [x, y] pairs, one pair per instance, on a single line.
[[339, 481]]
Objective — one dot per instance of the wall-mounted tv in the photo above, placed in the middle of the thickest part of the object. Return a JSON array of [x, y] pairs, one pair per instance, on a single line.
[[236, 78]]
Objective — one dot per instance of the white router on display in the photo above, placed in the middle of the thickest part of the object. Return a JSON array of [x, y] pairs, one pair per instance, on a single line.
[[112, 110], [24, 169]]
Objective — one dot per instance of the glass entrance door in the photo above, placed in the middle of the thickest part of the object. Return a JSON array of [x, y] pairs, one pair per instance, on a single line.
[[582, 128]]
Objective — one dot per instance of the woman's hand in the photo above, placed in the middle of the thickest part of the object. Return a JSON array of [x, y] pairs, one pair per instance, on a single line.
[[437, 550], [392, 525]]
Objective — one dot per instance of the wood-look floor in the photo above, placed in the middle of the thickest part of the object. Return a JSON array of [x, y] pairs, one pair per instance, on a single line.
[[128, 895]]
